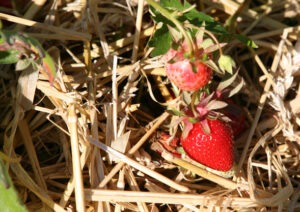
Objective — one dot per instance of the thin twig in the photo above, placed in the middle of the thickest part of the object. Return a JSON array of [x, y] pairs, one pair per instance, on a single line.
[[79, 196], [166, 198], [138, 26], [117, 167], [138, 166], [65, 32]]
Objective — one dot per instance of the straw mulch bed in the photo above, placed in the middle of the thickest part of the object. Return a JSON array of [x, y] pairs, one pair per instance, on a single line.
[[98, 96]]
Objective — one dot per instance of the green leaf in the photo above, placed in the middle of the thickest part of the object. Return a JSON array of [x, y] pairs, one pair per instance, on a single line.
[[9, 56], [161, 41], [172, 5], [159, 18], [8, 196], [2, 36], [244, 39], [226, 63], [198, 18], [193, 15]]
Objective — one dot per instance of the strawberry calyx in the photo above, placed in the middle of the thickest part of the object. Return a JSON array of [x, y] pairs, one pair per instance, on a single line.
[[179, 52], [206, 108]]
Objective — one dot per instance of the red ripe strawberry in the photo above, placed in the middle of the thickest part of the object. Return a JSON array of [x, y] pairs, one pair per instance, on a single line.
[[189, 74], [214, 150]]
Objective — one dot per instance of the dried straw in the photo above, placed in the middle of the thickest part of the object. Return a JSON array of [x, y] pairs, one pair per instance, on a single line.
[[110, 93]]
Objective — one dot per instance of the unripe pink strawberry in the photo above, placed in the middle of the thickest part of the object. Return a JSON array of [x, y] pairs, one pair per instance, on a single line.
[[188, 76], [187, 72]]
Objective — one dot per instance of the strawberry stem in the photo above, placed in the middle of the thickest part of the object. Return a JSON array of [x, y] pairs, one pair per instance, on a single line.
[[194, 98], [177, 23], [215, 40]]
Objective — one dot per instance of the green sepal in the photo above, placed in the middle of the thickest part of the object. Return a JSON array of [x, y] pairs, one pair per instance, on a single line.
[[175, 112], [192, 120]]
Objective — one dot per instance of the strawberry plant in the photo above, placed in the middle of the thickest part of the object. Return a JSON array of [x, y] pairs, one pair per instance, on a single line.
[[192, 56], [207, 136]]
